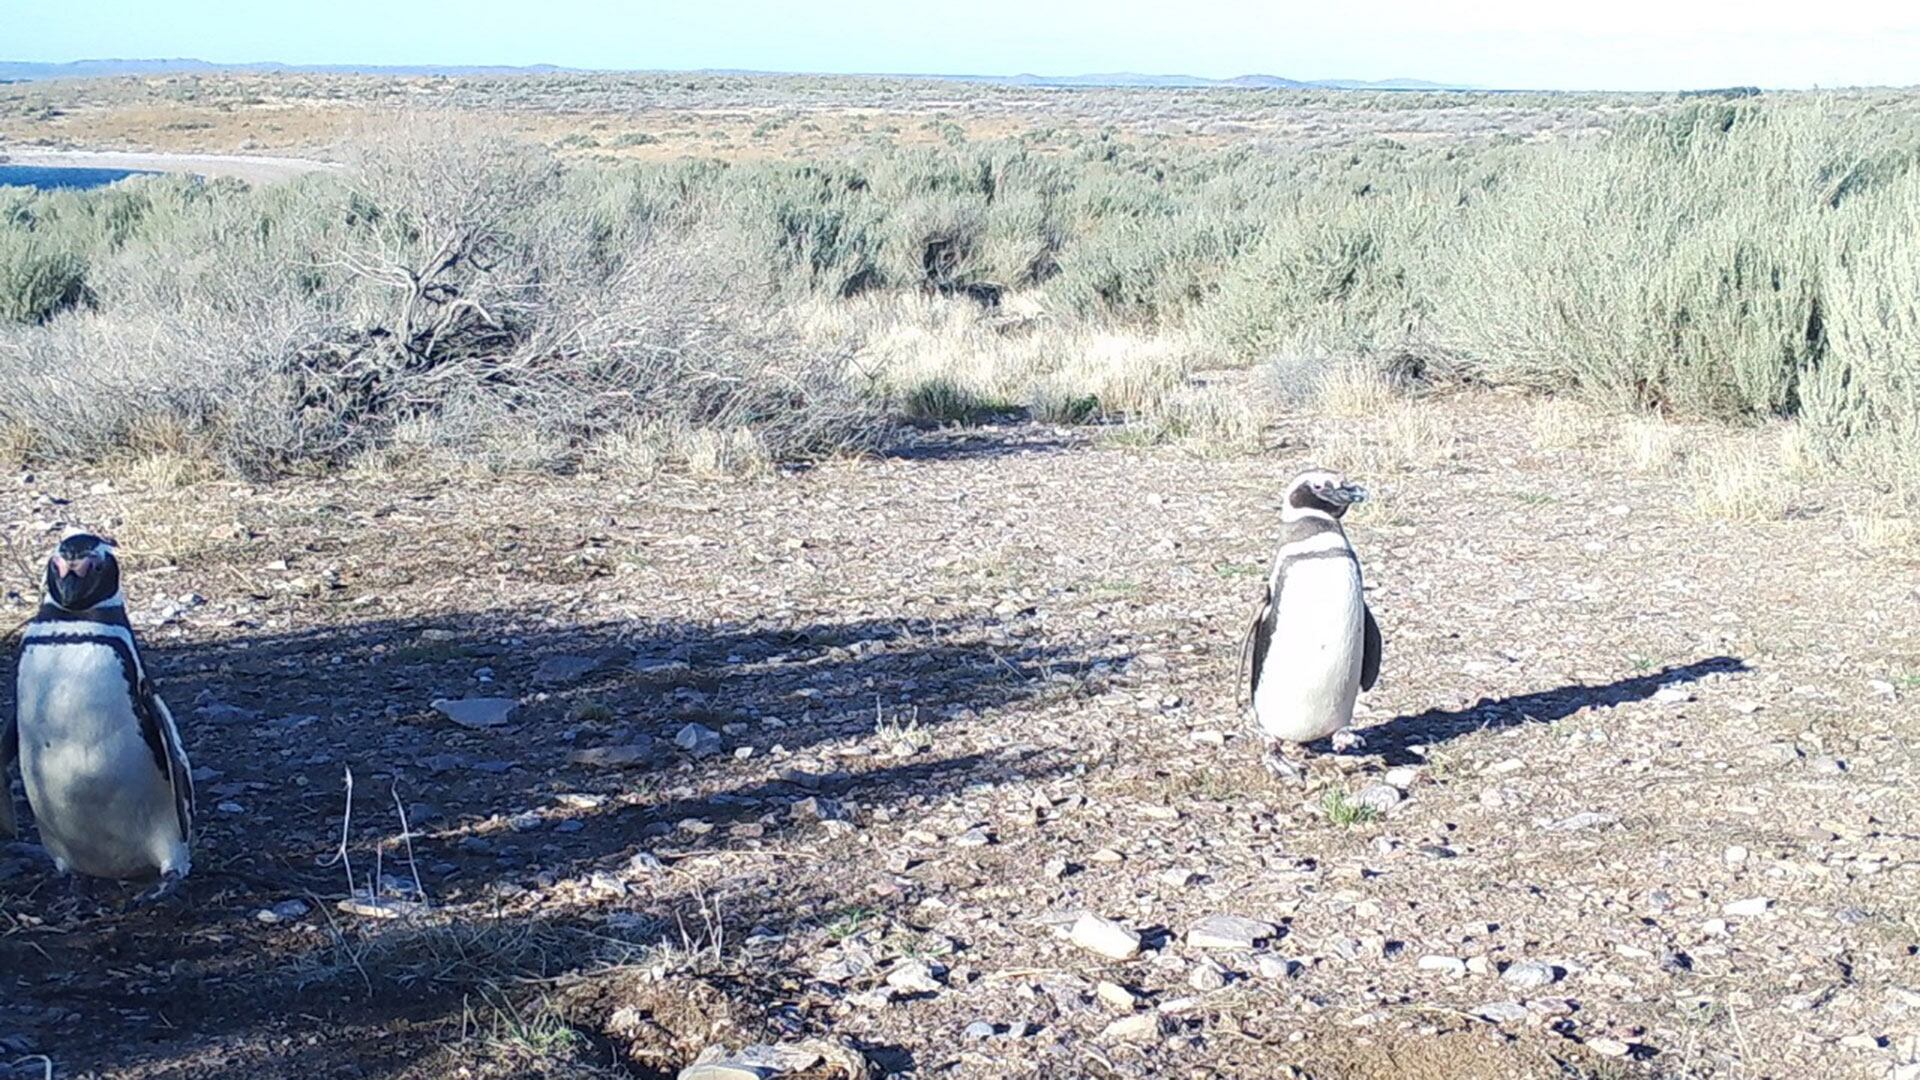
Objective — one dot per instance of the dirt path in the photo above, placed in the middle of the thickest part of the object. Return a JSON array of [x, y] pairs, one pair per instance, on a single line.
[[962, 696]]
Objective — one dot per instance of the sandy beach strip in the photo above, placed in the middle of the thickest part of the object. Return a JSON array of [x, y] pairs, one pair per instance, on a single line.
[[259, 170]]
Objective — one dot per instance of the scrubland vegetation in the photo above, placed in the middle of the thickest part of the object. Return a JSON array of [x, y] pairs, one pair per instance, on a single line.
[[458, 300]]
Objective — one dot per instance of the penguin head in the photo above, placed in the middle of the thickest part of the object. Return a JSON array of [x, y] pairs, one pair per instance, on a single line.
[[82, 573], [1323, 490]]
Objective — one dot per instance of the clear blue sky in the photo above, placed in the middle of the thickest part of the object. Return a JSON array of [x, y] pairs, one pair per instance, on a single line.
[[1550, 44]]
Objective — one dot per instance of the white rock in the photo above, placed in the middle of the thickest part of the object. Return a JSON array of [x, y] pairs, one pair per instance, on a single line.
[[477, 713], [1403, 777], [1503, 1012], [1748, 908], [1530, 975], [1105, 937], [284, 911], [1381, 798], [1609, 1047], [1139, 1027], [1207, 976], [1229, 932], [1276, 967], [1116, 996], [913, 977], [1445, 965]]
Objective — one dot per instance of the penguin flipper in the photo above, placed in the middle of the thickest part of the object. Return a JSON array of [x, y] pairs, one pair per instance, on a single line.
[[1369, 650], [9, 749], [163, 732], [1253, 651]]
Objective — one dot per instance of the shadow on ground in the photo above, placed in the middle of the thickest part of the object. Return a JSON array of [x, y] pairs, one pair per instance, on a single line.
[[275, 720], [1393, 737]]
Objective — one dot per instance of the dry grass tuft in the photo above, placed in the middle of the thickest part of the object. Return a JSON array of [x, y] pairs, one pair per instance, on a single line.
[[1650, 444], [1559, 424], [1881, 533], [167, 470], [1736, 481], [1356, 390]]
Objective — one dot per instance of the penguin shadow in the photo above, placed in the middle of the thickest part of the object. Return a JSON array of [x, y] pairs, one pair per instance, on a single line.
[[1393, 739], [630, 746]]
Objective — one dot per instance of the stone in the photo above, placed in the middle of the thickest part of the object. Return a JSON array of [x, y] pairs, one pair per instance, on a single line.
[[477, 713], [1105, 937], [1229, 932], [631, 755], [284, 911], [974, 837], [1530, 975], [1672, 695], [814, 808], [914, 977], [1609, 1047], [1116, 997], [559, 669], [698, 739], [1207, 976], [1445, 965], [1402, 777], [1742, 909], [1381, 798], [1276, 967], [979, 1030], [1503, 1012], [1140, 1027]]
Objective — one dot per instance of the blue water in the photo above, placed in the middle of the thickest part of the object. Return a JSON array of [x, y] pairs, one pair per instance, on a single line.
[[48, 177]]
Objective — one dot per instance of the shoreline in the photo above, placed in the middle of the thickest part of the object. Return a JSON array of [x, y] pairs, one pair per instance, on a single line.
[[259, 170]]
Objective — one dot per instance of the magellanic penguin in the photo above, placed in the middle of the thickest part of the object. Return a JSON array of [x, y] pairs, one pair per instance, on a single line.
[[106, 776], [1313, 645]]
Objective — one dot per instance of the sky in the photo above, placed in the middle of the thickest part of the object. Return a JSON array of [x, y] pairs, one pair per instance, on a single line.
[[1511, 44]]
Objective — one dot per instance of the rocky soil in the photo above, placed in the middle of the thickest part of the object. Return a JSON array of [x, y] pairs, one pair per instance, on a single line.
[[931, 765]]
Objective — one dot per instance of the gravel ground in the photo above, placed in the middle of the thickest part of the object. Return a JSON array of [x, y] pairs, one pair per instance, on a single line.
[[931, 765]]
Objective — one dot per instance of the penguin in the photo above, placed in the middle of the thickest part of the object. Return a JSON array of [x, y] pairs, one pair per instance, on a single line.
[[1313, 644], [106, 776]]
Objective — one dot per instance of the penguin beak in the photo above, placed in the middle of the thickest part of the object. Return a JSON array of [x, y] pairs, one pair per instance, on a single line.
[[1348, 494], [69, 582], [78, 568]]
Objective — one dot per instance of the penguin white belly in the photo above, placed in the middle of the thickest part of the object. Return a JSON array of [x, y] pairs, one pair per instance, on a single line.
[[103, 805], [1312, 670]]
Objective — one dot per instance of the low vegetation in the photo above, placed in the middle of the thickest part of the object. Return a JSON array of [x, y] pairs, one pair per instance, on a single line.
[[1734, 259]]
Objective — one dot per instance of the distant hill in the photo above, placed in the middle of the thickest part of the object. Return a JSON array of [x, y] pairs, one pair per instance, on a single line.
[[21, 70]]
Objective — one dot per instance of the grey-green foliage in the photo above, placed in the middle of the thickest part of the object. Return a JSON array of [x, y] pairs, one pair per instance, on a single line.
[[1726, 258]]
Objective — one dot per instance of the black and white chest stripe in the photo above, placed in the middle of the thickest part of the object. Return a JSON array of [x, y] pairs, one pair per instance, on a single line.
[[1307, 534], [106, 625]]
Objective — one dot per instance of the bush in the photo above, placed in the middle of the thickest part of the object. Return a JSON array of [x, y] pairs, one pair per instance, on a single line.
[[37, 283], [1727, 256]]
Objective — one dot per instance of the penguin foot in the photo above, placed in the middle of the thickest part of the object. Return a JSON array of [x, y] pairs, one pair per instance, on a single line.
[[1280, 768], [1345, 741], [163, 891]]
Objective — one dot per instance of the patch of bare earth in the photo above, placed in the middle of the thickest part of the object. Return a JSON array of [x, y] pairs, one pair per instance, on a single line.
[[1647, 811]]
